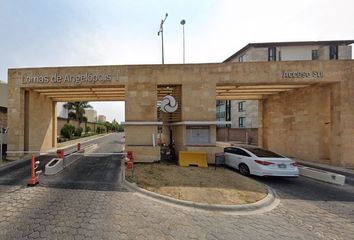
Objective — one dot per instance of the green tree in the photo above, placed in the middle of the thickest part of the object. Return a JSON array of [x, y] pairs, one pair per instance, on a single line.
[[116, 127], [71, 116], [100, 129], [78, 108], [85, 120], [108, 126], [67, 131]]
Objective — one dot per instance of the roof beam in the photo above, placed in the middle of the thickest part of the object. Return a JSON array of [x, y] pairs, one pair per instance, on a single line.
[[253, 91], [88, 99], [287, 86], [240, 97], [62, 90], [245, 94]]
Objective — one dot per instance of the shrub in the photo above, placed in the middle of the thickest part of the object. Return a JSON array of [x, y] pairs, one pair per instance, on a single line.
[[62, 139], [78, 131], [100, 129], [87, 129], [67, 131]]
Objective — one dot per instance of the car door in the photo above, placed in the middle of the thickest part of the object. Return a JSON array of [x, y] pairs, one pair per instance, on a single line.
[[227, 154], [243, 157], [230, 157], [237, 158]]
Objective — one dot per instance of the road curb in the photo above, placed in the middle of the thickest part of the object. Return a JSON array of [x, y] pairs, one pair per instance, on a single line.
[[24, 160], [265, 205], [86, 141]]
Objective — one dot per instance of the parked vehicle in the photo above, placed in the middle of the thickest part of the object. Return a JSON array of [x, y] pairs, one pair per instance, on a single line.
[[260, 162]]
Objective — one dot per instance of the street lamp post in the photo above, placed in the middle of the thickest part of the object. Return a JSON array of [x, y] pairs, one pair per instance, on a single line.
[[158, 34], [184, 49]]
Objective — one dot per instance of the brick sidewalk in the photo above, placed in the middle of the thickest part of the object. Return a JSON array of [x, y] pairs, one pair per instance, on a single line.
[[50, 213]]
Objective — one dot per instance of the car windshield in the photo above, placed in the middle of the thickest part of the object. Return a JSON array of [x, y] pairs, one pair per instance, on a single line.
[[259, 152]]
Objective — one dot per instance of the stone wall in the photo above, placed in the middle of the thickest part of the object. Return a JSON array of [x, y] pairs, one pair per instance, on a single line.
[[39, 123], [342, 122], [237, 135], [303, 124], [63, 121]]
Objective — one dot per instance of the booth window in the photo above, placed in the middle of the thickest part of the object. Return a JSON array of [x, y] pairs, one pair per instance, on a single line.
[[198, 135]]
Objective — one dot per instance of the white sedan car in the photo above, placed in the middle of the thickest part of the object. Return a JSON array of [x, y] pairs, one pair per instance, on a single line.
[[260, 162]]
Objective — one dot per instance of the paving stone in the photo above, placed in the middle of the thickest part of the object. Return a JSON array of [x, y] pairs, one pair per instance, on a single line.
[[90, 214]]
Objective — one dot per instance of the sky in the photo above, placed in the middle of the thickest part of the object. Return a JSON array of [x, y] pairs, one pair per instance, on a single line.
[[44, 33]]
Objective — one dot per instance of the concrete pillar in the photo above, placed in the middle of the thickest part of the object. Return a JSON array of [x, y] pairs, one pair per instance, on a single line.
[[41, 123], [30, 119], [260, 123], [347, 118], [342, 124], [140, 106], [16, 115], [54, 124]]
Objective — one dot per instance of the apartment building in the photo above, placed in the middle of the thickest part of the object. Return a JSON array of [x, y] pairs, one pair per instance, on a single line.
[[102, 118], [91, 114], [62, 112], [244, 113]]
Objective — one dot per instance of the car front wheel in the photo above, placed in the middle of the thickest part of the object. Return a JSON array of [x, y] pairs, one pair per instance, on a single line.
[[244, 170]]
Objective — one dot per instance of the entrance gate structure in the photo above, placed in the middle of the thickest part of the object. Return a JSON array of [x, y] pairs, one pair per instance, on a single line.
[[305, 107]]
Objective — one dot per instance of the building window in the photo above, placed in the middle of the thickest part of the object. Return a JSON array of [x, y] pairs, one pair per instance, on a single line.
[[197, 135], [241, 121], [240, 59], [220, 103], [279, 55], [333, 52], [241, 106], [220, 116], [272, 54], [314, 54]]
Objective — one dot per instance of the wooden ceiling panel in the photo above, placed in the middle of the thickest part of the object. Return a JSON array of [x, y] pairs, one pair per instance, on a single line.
[[84, 94]]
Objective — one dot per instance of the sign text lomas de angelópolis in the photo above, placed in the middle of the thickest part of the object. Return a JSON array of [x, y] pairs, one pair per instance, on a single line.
[[300, 74], [67, 78]]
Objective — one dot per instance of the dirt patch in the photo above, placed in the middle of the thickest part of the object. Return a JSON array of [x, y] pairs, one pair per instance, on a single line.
[[204, 185]]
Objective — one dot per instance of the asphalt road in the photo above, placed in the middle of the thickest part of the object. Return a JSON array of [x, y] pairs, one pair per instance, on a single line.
[[338, 200], [93, 172], [19, 173]]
